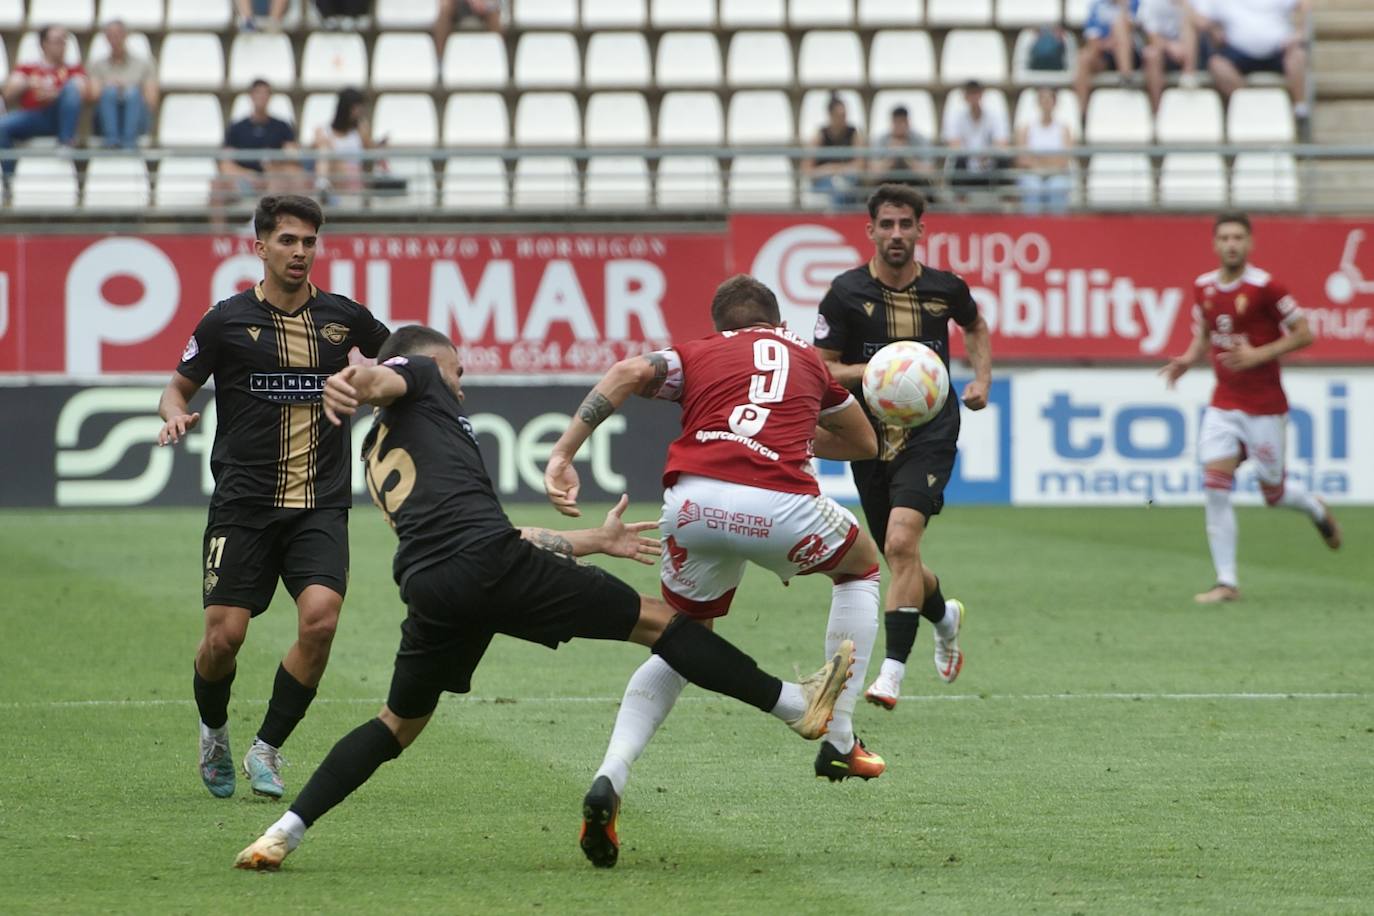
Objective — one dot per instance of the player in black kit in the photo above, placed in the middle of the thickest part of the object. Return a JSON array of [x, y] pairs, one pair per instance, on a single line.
[[466, 574], [282, 479], [895, 297]]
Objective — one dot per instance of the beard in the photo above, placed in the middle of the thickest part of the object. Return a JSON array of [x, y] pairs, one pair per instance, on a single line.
[[899, 258]]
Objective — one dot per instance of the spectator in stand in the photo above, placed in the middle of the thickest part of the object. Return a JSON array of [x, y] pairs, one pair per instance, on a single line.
[[1045, 182], [451, 11], [1171, 43], [341, 179], [836, 178], [1259, 36], [917, 171], [253, 12], [978, 133], [44, 98], [1108, 42], [346, 15], [126, 89], [258, 131]]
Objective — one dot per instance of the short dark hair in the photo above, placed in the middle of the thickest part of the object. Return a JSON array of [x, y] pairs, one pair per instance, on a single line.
[[43, 32], [898, 194], [901, 112], [741, 301], [1232, 216], [273, 207], [973, 86], [413, 338], [258, 82]]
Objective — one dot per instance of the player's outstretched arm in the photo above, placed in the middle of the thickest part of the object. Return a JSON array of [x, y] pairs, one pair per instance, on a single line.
[[614, 538], [642, 375], [850, 375], [978, 346], [354, 386], [173, 407], [1173, 370], [846, 435]]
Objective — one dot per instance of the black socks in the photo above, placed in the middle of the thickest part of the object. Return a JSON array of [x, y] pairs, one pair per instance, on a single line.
[[349, 764], [212, 698], [290, 700], [709, 661]]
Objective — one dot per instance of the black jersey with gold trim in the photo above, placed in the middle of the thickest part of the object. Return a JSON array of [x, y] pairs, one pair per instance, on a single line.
[[273, 445], [859, 316]]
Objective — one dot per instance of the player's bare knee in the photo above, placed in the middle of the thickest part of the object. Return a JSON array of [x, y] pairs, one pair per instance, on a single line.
[[316, 633], [654, 617], [405, 730]]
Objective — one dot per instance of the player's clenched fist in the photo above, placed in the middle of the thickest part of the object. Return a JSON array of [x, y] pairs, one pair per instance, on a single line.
[[340, 397], [176, 427]]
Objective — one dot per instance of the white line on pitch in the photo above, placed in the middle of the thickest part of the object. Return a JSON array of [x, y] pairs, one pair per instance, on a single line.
[[935, 698]]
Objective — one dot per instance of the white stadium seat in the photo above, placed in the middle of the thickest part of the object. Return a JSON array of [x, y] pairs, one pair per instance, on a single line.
[[475, 183], [994, 104], [901, 57], [405, 119], [677, 14], [617, 182], [1264, 180], [404, 60], [71, 14], [617, 59], [190, 119], [260, 55], [547, 59], [830, 58], [891, 12], [973, 54], [545, 182], [1119, 116], [476, 119], [614, 14], [136, 14], [759, 116], [184, 184], [1189, 116], [418, 174], [30, 50], [1066, 110], [751, 13], [688, 59], [406, 14], [815, 109], [617, 119], [1192, 180], [1260, 115], [475, 60], [1120, 180], [920, 111], [806, 14], [279, 106], [4, 61], [759, 59], [201, 14], [317, 111], [761, 181], [1076, 12], [688, 182], [547, 119], [958, 12], [136, 43], [43, 183], [1014, 13], [333, 60], [191, 60], [690, 118], [545, 14], [12, 14], [1020, 61], [116, 183]]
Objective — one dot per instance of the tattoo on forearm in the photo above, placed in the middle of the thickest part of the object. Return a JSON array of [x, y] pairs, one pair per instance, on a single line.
[[553, 542], [660, 364], [595, 408]]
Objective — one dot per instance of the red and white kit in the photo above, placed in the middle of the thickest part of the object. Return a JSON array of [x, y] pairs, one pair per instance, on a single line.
[[739, 484], [1249, 409]]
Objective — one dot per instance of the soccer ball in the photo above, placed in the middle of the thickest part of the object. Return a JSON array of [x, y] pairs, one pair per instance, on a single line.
[[905, 384]]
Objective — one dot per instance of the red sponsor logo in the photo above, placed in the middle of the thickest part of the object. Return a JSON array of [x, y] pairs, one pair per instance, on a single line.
[[676, 554], [690, 512], [807, 552]]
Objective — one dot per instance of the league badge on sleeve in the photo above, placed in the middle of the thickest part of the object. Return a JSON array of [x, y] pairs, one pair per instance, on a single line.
[[192, 348], [822, 328]]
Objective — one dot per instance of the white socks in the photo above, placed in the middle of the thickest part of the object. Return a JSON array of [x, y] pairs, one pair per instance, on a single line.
[[649, 697], [853, 615], [1295, 497], [1221, 534], [290, 826]]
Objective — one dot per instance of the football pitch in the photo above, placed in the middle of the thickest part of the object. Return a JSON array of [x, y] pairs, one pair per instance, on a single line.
[[1109, 748]]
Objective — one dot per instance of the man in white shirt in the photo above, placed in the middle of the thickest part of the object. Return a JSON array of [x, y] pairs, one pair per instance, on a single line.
[[1258, 36], [1171, 43], [976, 131]]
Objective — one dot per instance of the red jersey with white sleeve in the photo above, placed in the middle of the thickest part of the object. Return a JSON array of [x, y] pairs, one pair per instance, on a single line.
[[750, 402], [1253, 309]]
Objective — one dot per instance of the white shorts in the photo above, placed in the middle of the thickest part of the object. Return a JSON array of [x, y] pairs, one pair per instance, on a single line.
[[712, 529], [1237, 434]]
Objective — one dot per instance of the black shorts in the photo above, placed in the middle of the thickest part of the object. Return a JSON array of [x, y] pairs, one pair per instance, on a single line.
[[915, 479], [1247, 64], [246, 549], [455, 607]]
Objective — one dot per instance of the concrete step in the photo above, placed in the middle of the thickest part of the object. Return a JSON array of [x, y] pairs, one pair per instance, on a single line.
[[1344, 85], [1339, 56], [1321, 7], [1344, 122], [1344, 24], [1345, 185]]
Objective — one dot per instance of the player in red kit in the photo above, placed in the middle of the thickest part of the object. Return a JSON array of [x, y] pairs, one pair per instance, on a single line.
[[1247, 320], [757, 405]]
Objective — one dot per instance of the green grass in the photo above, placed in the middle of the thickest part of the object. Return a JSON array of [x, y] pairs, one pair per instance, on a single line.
[[1025, 787]]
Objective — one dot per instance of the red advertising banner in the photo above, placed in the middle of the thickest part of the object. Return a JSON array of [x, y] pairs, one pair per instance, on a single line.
[[515, 303], [1083, 288]]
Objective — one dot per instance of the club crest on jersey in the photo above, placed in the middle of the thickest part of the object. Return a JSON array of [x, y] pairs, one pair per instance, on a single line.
[[466, 424], [930, 480], [253, 333], [868, 309], [1241, 302], [334, 332], [192, 348], [690, 512], [822, 328], [935, 308]]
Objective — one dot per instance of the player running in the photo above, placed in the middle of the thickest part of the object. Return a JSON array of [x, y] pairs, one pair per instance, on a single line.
[[739, 489], [282, 479], [467, 574], [1247, 320], [895, 297]]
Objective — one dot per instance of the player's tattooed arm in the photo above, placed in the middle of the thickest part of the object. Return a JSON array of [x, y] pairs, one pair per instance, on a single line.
[[552, 541], [654, 385], [595, 408]]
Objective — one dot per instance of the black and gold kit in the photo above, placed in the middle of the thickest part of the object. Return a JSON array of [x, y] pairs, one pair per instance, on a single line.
[[464, 570], [858, 317], [275, 453]]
